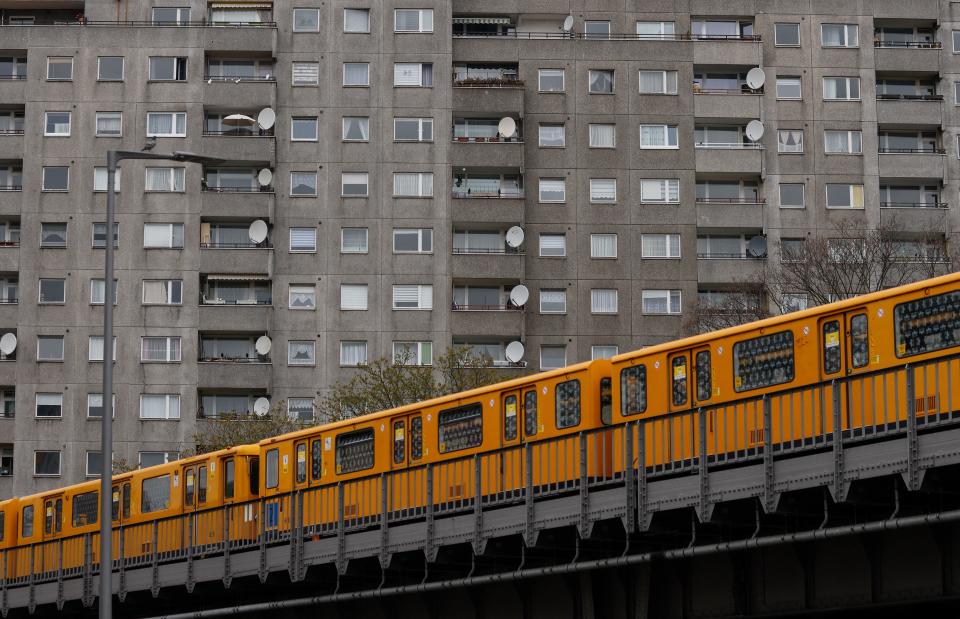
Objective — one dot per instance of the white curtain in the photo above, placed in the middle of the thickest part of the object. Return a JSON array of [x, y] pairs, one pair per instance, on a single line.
[[653, 135], [356, 20], [156, 235], [552, 190], [553, 244], [160, 406], [306, 72], [406, 184], [833, 35], [100, 179], [553, 300], [603, 245], [303, 297], [601, 81], [165, 179], [603, 189], [654, 245], [654, 81], [356, 74], [161, 349], [552, 357], [602, 136], [353, 353], [655, 301], [603, 300], [303, 183], [301, 352], [156, 291], [160, 124], [552, 135], [791, 141], [303, 239], [353, 296], [354, 240], [660, 190], [356, 128], [96, 348]]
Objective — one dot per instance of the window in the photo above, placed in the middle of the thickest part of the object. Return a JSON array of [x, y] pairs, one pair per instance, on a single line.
[[303, 128], [661, 301], [633, 390], [553, 301], [354, 184], [596, 29], [353, 240], [412, 240], [302, 297], [956, 41], [552, 135], [160, 349], [98, 292], [59, 68], [603, 190], [46, 464], [658, 82], [109, 124], [95, 406], [792, 250], [413, 297], [305, 73], [95, 348], [300, 409], [660, 245], [413, 353], [154, 492], [763, 361], [839, 35], [603, 136], [656, 30], [925, 325], [356, 74], [600, 81], [603, 301], [786, 35], [303, 240], [603, 352], [413, 129], [94, 464], [553, 245], [56, 178], [57, 124], [793, 302], [353, 297], [306, 20], [660, 190], [168, 68], [791, 195], [167, 124], [6, 470], [303, 183], [301, 352], [49, 348], [658, 136], [356, 128], [790, 140], [52, 291], [841, 88], [147, 459], [110, 68], [162, 292], [53, 235], [844, 142], [165, 179], [460, 428], [49, 405], [353, 353], [416, 74], [788, 87], [171, 16], [603, 245], [100, 180], [356, 20], [163, 236], [553, 190], [553, 357], [413, 20], [159, 406], [413, 184], [844, 196], [551, 80]]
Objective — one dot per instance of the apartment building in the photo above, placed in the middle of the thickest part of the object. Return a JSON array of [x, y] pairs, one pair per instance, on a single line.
[[403, 176]]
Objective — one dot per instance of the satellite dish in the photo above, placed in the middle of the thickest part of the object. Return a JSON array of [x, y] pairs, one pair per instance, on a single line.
[[258, 231], [515, 237], [266, 118], [263, 345], [261, 407], [757, 246], [514, 352], [755, 78], [507, 127], [519, 295], [8, 343], [567, 24], [754, 130], [265, 177]]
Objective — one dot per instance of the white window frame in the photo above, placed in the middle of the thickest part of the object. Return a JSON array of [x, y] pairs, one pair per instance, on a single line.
[[671, 244], [177, 179], [168, 457], [596, 298], [99, 283], [346, 305], [544, 299], [176, 61], [170, 289], [852, 195], [365, 84], [563, 78], [613, 82], [312, 361], [850, 142], [597, 236], [298, 120], [777, 43], [303, 174], [344, 183], [86, 462], [169, 414], [92, 341], [57, 134], [175, 116], [424, 185], [610, 128], [666, 137], [304, 250], [668, 30], [170, 357], [293, 16], [658, 294], [104, 115], [665, 191], [551, 347], [59, 462], [423, 125], [51, 359], [847, 28], [598, 197], [803, 193], [786, 149], [563, 135], [364, 122], [668, 82], [113, 406], [294, 413], [358, 10], [123, 69], [788, 80], [294, 81], [100, 180], [365, 348], [553, 235], [37, 404], [170, 237], [55, 60], [424, 21], [44, 178], [308, 291], [422, 352], [366, 241], [40, 300], [848, 80], [424, 237], [398, 70], [561, 187], [603, 351], [424, 294]]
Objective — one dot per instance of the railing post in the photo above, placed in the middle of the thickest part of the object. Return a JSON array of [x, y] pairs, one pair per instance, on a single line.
[[643, 516], [122, 576], [703, 508], [584, 526], [384, 524], [87, 594], [262, 569], [296, 536], [838, 466], [341, 534], [528, 536], [4, 604], [191, 534], [227, 575], [60, 574], [429, 551], [629, 478], [768, 472], [292, 531], [913, 444], [478, 542], [155, 559], [33, 598]]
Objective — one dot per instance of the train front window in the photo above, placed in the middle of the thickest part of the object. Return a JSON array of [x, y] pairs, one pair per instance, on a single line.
[[633, 390], [316, 459], [85, 509], [355, 451], [606, 401], [763, 361], [416, 438], [399, 442], [510, 418], [460, 428], [832, 357], [202, 485], [927, 324], [704, 379], [301, 463], [26, 529], [253, 467], [229, 477], [568, 404], [679, 365], [273, 468], [530, 413]]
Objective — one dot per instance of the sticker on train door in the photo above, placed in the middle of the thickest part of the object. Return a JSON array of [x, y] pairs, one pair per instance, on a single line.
[[680, 371], [398, 432], [286, 463], [327, 444], [831, 340]]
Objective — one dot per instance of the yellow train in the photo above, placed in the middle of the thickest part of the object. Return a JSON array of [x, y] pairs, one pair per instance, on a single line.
[[786, 381]]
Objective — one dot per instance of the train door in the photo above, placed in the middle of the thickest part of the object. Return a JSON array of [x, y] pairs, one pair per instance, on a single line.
[[845, 351], [300, 468], [511, 460], [52, 528], [679, 377], [119, 514]]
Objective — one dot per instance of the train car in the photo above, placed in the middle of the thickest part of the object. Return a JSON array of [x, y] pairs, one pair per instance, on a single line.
[[355, 456], [8, 536]]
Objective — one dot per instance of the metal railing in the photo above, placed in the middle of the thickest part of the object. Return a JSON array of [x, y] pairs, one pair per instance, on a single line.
[[237, 79], [483, 307], [906, 97], [915, 44], [743, 90], [936, 205], [153, 24], [928, 150], [239, 245], [215, 301], [9, 76], [506, 194], [234, 133], [11, 187], [730, 145], [250, 357], [489, 140], [251, 189], [501, 251], [730, 200], [11, 131], [727, 256]]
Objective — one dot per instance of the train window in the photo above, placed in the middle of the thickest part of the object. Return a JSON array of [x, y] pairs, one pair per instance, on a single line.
[[2, 524], [229, 477], [831, 347], [928, 324], [26, 529], [301, 463], [704, 380], [85, 509], [460, 428], [355, 451], [568, 404], [763, 361], [510, 418], [633, 390], [859, 341], [679, 365], [155, 494], [126, 500], [189, 486], [48, 517], [115, 503], [606, 401], [316, 459], [202, 485], [399, 442], [530, 413], [416, 438], [254, 476], [273, 468], [58, 515]]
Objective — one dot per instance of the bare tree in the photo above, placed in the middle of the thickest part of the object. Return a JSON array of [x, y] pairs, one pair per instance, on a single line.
[[229, 430]]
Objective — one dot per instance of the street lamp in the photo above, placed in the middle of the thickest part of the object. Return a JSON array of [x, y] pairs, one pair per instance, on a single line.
[[106, 435]]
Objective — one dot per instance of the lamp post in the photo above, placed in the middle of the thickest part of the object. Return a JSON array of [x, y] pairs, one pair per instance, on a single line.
[[106, 435]]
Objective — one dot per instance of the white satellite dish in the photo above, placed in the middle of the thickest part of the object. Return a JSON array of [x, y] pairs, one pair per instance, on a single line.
[[754, 130], [514, 352], [567, 24], [257, 231], [8, 343], [261, 407], [519, 295], [266, 118], [507, 127], [265, 177], [515, 237], [263, 345], [755, 78]]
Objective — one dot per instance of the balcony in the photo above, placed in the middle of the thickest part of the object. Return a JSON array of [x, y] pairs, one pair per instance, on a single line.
[[477, 142], [235, 289], [733, 40], [494, 350], [501, 264], [905, 47], [720, 103], [918, 161], [9, 263], [237, 93], [732, 213], [722, 269], [230, 375], [732, 158], [473, 96], [923, 220]]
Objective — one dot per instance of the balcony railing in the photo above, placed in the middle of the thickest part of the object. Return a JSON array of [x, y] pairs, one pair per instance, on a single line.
[[505, 194], [731, 200], [466, 251], [9, 243], [236, 79], [11, 187], [9, 300], [915, 44], [488, 82], [905, 97], [730, 145], [615, 36], [491, 140], [239, 245], [11, 131], [259, 189], [250, 357], [713, 255], [726, 37], [215, 301], [926, 150], [233, 133], [10, 76], [82, 21], [743, 90], [937, 205], [481, 307]]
